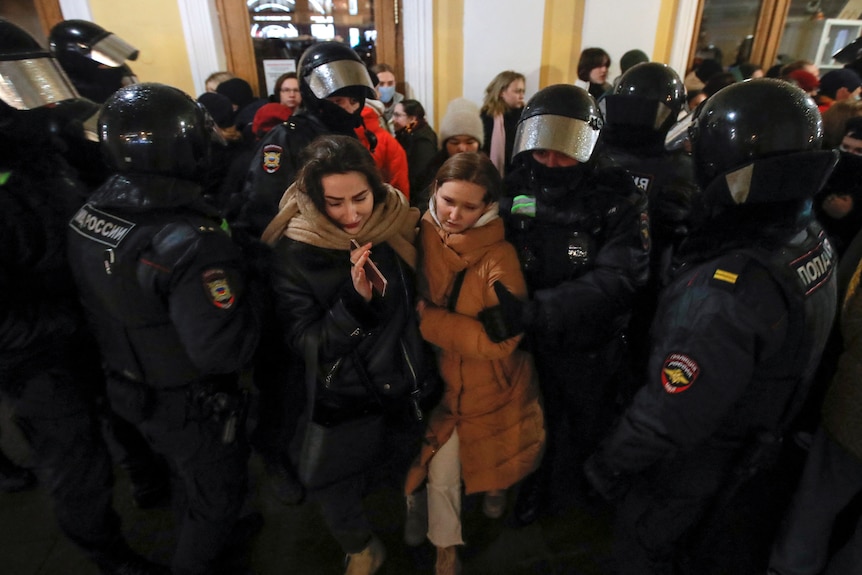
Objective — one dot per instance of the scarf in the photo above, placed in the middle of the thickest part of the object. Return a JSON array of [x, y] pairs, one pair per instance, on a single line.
[[452, 253], [497, 152], [392, 221]]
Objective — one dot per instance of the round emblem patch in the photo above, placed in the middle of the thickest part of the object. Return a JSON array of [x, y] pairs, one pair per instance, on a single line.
[[678, 372]]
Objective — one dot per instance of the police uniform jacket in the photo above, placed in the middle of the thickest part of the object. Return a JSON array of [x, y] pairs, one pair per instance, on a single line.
[[667, 178], [40, 311], [584, 254], [274, 165], [735, 342], [163, 284]]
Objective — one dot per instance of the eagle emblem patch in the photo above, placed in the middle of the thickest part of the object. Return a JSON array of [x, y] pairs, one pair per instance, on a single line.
[[218, 288], [678, 372], [272, 158]]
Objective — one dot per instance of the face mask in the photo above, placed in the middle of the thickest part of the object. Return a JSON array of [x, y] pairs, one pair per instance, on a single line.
[[386, 93]]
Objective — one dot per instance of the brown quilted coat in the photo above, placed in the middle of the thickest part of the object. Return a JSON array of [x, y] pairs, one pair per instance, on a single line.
[[491, 392]]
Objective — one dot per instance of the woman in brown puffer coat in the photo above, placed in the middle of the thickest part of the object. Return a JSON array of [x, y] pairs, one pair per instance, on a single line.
[[488, 430]]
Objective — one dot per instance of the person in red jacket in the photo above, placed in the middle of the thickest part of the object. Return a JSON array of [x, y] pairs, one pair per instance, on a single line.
[[390, 157]]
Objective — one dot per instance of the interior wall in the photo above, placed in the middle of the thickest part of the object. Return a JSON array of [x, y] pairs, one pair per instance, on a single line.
[[155, 28], [501, 35], [620, 26]]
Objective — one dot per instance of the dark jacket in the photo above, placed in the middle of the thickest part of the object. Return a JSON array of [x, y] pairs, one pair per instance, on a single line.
[[40, 314], [736, 340], [584, 254], [421, 146], [163, 284], [273, 168], [318, 305]]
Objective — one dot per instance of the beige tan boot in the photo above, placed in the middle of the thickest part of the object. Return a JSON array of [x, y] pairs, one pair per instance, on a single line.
[[448, 562], [367, 561]]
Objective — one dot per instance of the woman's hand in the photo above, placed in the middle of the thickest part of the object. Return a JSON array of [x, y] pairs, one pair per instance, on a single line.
[[420, 306], [358, 258]]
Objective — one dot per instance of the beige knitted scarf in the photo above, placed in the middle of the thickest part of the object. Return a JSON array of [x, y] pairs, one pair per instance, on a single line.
[[392, 221]]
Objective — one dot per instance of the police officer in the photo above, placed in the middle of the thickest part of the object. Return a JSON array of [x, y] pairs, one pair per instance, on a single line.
[[737, 335], [93, 58], [163, 285], [48, 369], [638, 115], [580, 227], [95, 61], [334, 84]]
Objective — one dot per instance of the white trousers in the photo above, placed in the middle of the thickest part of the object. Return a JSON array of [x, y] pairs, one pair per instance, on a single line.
[[444, 495]]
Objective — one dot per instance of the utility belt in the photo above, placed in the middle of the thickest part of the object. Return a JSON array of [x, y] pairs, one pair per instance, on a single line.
[[214, 399]]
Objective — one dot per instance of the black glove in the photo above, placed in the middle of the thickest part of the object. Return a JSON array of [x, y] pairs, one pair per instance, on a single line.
[[507, 319], [610, 484]]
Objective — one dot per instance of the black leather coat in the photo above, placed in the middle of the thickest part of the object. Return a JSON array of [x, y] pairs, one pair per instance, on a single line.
[[318, 305]]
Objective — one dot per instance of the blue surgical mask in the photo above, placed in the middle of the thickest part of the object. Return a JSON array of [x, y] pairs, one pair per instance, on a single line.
[[386, 93]]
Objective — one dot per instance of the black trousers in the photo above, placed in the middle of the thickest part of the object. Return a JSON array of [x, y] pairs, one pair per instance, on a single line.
[[209, 479], [71, 460]]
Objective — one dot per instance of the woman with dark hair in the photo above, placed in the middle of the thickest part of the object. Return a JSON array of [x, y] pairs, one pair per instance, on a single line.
[[362, 349], [417, 138], [488, 431], [593, 72], [501, 110]]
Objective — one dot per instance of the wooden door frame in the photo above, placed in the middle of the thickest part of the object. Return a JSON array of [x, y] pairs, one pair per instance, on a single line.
[[50, 14], [767, 32], [239, 49]]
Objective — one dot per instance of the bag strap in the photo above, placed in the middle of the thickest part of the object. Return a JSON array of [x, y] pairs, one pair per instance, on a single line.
[[456, 290]]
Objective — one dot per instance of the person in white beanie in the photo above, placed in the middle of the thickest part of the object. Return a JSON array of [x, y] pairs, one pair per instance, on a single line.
[[460, 131]]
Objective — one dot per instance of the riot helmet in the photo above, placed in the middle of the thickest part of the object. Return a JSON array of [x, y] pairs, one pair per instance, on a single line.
[[328, 69], [152, 128], [94, 58], [29, 77], [562, 118], [646, 101], [759, 141]]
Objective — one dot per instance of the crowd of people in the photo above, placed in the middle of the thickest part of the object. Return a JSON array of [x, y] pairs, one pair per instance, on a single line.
[[625, 294]]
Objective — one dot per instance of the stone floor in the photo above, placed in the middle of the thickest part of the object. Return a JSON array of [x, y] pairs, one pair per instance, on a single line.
[[294, 540]]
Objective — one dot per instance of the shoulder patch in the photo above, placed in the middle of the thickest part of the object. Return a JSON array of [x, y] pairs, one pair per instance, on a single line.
[[100, 226], [815, 268], [272, 158], [678, 372], [644, 231], [218, 288]]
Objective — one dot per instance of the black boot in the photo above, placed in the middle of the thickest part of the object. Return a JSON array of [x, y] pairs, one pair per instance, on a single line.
[[530, 504]]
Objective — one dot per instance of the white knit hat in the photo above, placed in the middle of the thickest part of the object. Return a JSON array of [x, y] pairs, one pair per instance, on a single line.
[[461, 119]]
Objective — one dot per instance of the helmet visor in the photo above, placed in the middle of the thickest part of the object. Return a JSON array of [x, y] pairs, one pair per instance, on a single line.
[[34, 82], [570, 136], [113, 51], [328, 78]]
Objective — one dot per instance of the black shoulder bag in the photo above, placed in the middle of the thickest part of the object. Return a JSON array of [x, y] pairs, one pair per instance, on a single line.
[[334, 452]]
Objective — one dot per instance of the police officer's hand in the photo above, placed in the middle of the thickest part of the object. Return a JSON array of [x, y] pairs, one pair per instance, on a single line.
[[610, 484], [507, 319]]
